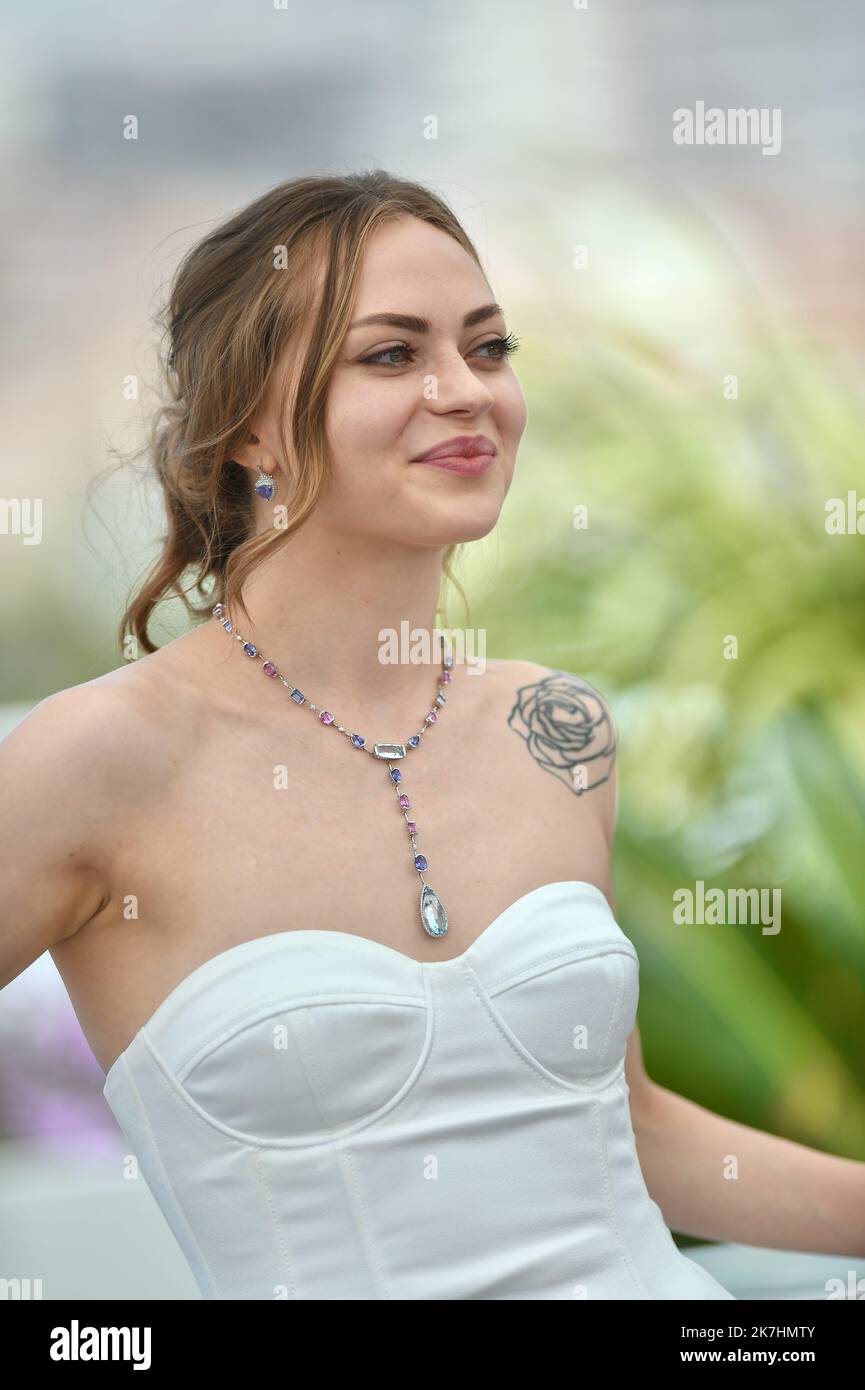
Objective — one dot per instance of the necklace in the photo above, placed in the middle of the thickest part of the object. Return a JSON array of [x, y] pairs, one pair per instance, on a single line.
[[432, 910]]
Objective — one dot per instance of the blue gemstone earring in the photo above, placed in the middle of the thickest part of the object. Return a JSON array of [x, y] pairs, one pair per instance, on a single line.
[[265, 485]]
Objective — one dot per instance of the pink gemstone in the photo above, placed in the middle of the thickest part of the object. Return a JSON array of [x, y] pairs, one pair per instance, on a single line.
[[326, 717], [269, 669], [404, 802], [431, 717], [446, 677], [412, 828]]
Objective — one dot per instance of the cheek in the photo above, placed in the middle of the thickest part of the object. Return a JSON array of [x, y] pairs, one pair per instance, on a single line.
[[367, 414], [511, 409]]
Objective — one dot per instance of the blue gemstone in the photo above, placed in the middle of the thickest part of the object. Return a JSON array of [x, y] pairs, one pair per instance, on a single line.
[[395, 774], [297, 696], [228, 625], [433, 912], [440, 699], [414, 740], [448, 662], [264, 489], [358, 740], [250, 649], [420, 862]]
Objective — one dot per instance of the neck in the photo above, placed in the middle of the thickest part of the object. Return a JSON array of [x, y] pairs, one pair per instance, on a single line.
[[323, 608]]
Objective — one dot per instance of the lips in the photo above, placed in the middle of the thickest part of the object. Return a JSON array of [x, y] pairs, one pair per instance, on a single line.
[[456, 463], [468, 454], [464, 446]]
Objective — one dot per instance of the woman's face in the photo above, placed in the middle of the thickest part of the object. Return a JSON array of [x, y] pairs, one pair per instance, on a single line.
[[397, 392]]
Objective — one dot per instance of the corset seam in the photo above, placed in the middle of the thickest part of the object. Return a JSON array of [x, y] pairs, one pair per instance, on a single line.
[[357, 1203], [241, 1139], [312, 1073], [609, 1188], [262, 1181], [532, 1063], [277, 1003], [179, 1213], [500, 983]]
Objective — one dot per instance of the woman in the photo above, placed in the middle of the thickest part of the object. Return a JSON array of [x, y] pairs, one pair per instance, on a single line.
[[340, 928]]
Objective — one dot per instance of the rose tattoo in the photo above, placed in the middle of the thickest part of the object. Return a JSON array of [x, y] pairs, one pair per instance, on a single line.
[[567, 728]]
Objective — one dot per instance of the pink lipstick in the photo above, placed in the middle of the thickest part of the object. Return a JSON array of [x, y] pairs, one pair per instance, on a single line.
[[468, 454]]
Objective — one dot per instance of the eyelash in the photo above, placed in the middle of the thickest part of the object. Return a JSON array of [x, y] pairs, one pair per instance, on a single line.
[[505, 345]]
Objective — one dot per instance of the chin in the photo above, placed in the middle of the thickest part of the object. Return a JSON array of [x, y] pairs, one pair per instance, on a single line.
[[482, 526], [449, 520], [469, 525]]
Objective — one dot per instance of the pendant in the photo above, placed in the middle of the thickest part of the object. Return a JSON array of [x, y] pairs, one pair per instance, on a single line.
[[432, 912]]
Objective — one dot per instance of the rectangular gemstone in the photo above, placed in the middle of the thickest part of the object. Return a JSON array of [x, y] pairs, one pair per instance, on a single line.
[[389, 750]]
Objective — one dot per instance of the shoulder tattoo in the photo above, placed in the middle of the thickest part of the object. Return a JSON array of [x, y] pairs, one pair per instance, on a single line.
[[567, 728]]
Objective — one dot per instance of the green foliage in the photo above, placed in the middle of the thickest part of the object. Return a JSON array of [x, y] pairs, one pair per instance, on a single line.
[[745, 766]]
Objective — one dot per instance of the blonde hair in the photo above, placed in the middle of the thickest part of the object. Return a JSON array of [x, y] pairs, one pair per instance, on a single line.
[[239, 296]]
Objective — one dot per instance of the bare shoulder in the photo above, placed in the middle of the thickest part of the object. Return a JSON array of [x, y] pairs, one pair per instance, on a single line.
[[98, 716], [568, 727], [92, 736], [69, 773], [79, 725]]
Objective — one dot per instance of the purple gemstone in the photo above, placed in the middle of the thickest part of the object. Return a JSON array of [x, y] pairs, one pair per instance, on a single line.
[[404, 802], [326, 717], [395, 774], [250, 649], [412, 828], [446, 677], [431, 717], [269, 669], [228, 625], [414, 740], [420, 862], [264, 489], [358, 740]]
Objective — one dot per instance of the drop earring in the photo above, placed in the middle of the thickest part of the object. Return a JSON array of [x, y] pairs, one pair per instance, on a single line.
[[265, 485]]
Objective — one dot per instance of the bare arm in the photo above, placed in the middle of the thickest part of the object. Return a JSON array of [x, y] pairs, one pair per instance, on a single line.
[[570, 731], [722, 1180], [52, 808], [710, 1176]]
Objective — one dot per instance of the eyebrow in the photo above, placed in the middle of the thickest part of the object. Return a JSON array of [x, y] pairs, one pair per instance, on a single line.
[[413, 324]]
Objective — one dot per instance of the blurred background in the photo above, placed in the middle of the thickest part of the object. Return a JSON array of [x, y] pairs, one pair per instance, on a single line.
[[691, 320]]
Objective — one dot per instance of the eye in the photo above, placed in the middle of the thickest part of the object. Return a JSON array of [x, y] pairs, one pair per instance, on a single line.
[[502, 347], [376, 358]]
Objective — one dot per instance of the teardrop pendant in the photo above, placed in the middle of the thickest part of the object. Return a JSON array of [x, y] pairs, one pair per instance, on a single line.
[[432, 912]]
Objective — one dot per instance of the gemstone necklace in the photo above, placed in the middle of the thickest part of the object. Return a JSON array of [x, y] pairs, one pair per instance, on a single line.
[[432, 909]]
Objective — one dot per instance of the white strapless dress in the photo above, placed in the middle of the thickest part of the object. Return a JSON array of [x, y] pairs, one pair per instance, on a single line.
[[319, 1116]]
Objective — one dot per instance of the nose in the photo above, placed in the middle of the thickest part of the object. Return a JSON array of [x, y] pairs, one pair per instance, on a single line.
[[455, 387]]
